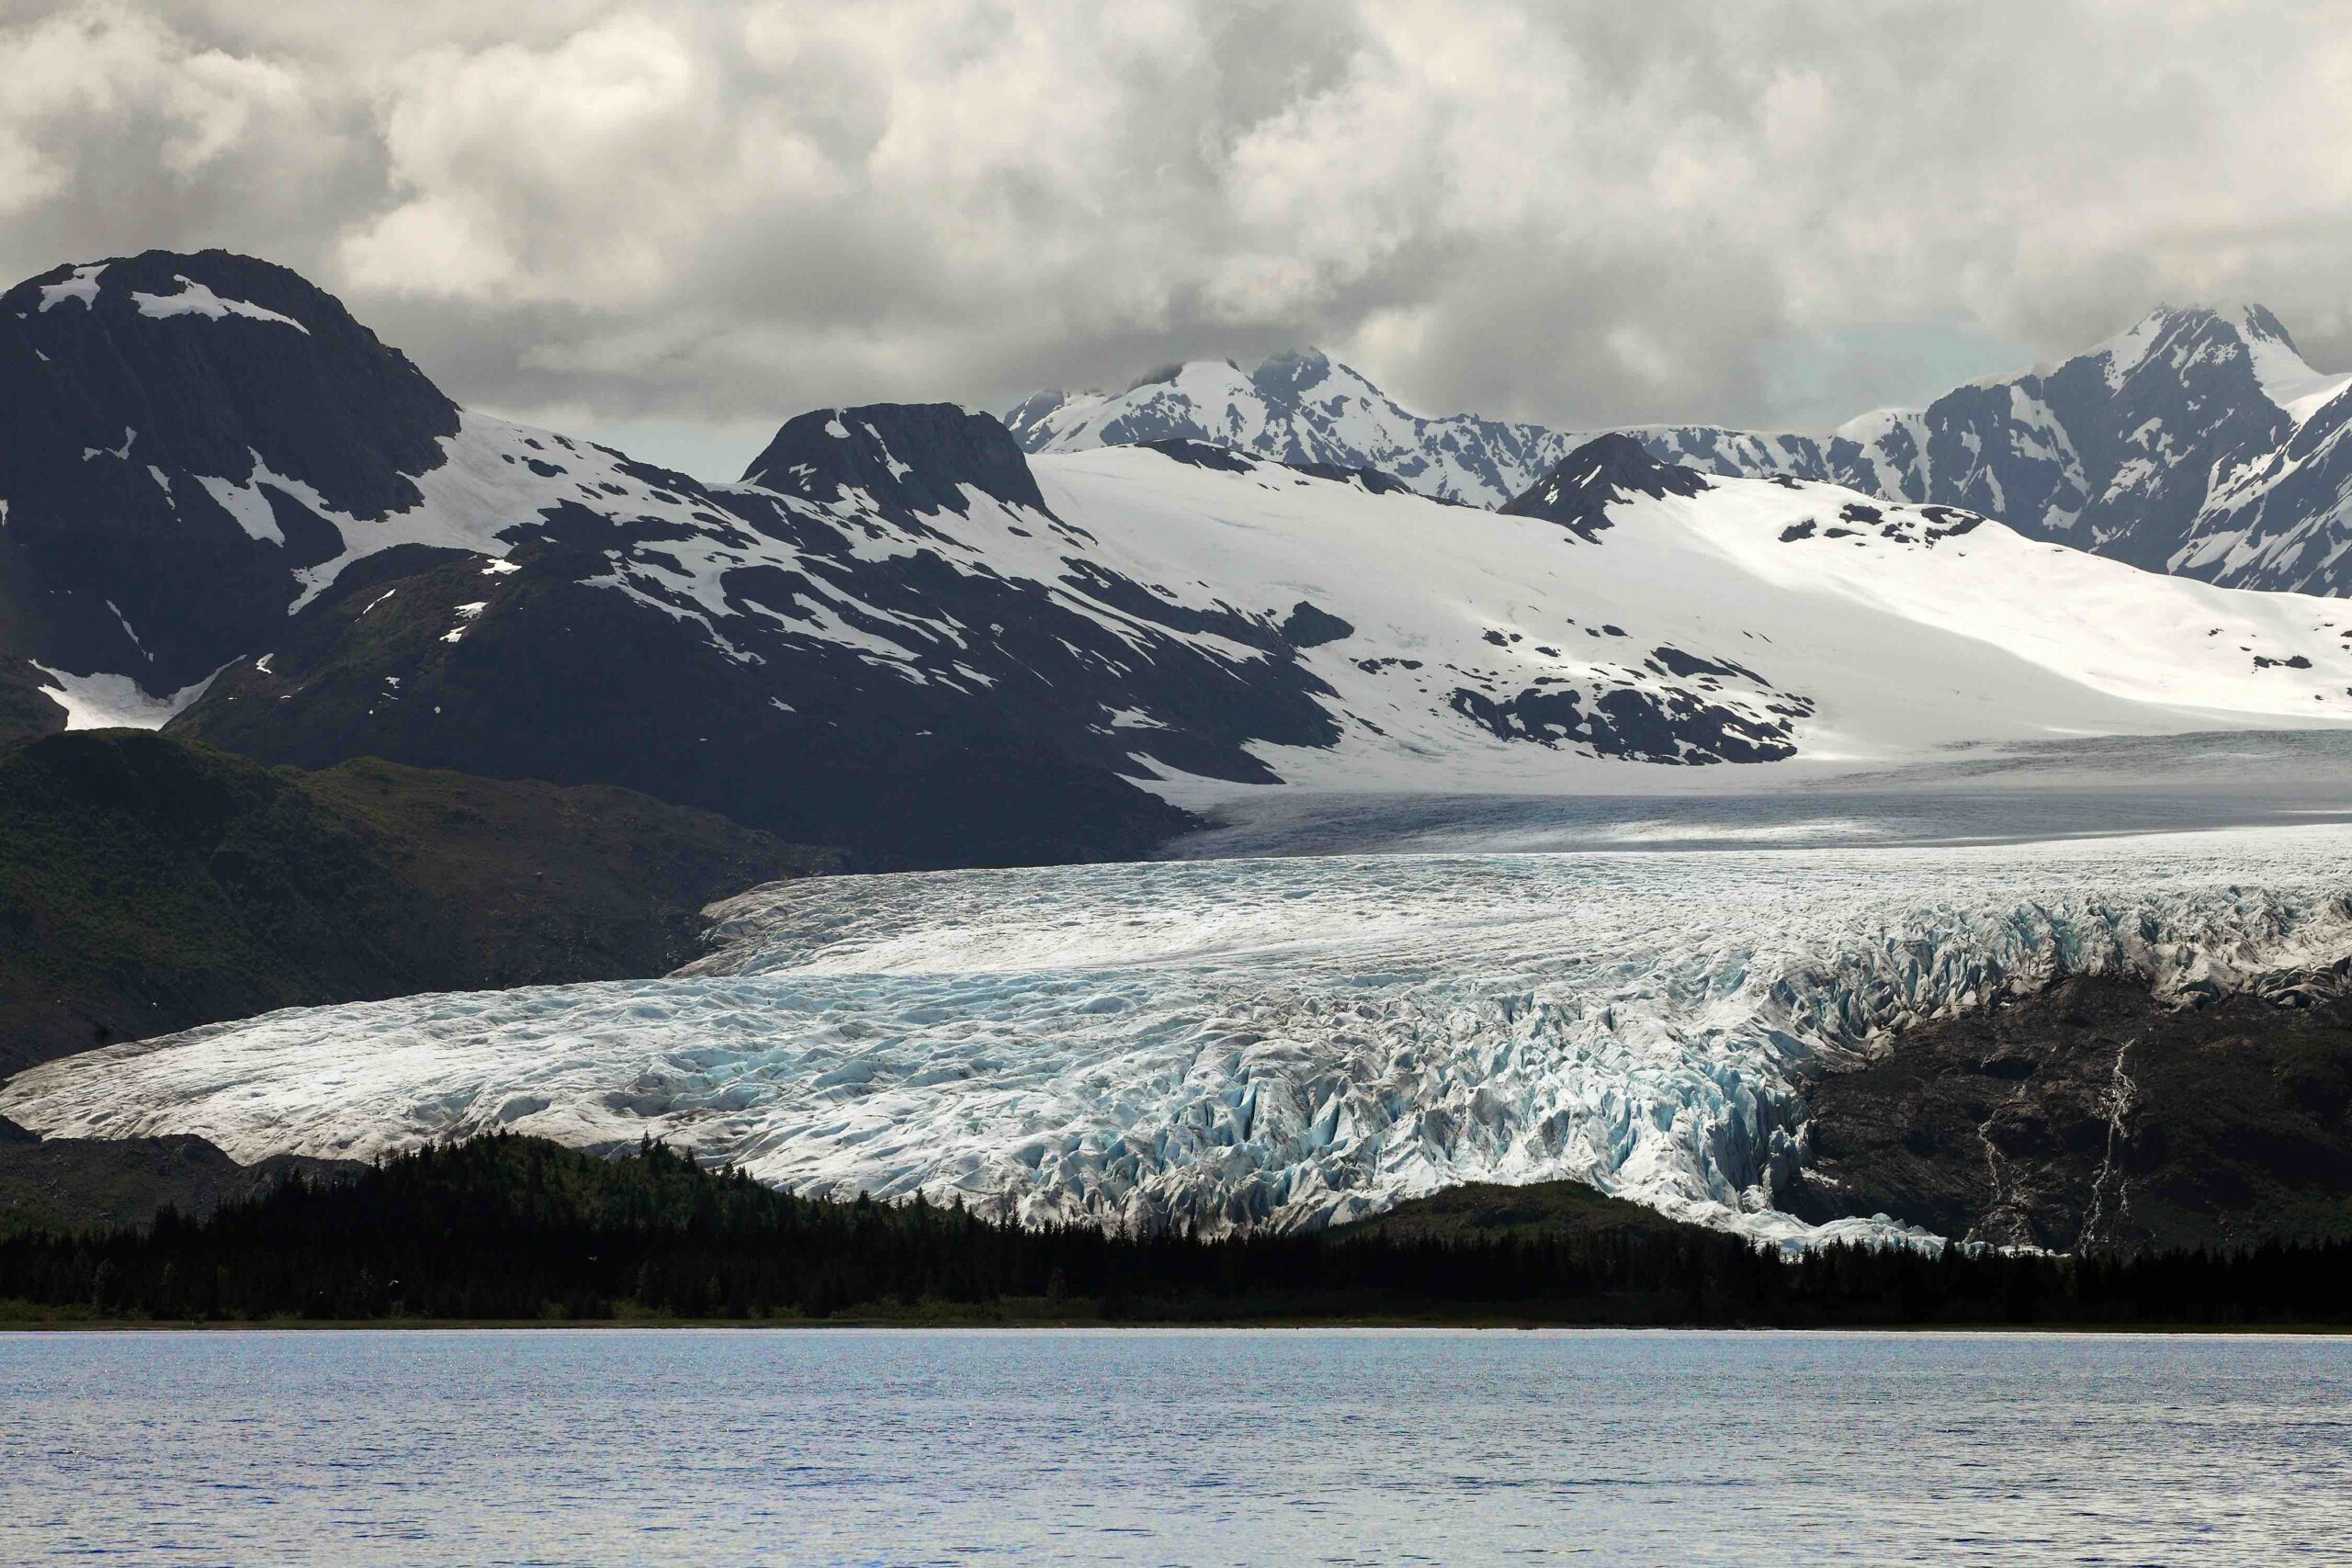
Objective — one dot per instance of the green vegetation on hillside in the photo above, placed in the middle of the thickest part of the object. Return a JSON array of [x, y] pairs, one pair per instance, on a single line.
[[1490, 1208], [27, 708], [506, 1228], [73, 1184], [149, 883]]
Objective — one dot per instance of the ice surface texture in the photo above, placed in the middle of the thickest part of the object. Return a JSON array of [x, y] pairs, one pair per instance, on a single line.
[[1280, 1041]]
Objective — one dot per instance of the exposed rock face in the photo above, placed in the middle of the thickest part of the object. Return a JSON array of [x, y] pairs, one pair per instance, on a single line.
[[2094, 1118], [183, 429], [1578, 491]]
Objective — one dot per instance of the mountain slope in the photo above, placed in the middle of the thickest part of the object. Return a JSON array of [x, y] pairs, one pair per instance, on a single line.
[[2094, 1117], [1301, 409], [2199, 441], [829, 659], [224, 458], [1200, 620], [901, 633], [1663, 616], [64, 1185], [183, 432], [147, 884]]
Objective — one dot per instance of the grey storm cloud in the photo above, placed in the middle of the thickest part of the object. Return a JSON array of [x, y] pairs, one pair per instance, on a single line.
[[711, 216]]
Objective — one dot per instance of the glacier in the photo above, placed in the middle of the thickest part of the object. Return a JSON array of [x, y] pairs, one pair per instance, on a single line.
[[1277, 1042]]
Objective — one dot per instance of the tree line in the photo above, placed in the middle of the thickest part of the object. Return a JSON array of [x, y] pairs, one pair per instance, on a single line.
[[505, 1228]]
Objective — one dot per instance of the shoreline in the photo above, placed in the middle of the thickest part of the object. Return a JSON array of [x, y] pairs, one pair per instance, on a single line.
[[1149, 1326]]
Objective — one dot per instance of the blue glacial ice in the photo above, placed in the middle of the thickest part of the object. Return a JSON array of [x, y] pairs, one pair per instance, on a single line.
[[1287, 1041]]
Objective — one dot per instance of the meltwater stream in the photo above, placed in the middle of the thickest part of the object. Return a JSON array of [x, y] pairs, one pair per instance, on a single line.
[[1284, 1041]]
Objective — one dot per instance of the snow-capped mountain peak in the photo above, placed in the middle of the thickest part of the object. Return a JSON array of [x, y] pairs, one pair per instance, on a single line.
[[1300, 408], [2279, 369], [2161, 446], [895, 591], [2171, 340]]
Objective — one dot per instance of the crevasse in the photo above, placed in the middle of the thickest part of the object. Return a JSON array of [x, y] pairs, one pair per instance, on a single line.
[[1282, 1042]]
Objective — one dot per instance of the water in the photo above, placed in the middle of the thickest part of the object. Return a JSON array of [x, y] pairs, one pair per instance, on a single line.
[[1134, 1447]]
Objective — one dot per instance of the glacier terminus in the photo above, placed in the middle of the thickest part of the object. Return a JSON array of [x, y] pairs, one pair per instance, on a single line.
[[1289, 1041]]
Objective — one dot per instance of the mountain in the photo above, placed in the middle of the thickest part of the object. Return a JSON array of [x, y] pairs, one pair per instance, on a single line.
[[1627, 609], [195, 443], [901, 633], [150, 884], [2199, 441], [1195, 619], [1578, 491], [1300, 408], [897, 647], [224, 461]]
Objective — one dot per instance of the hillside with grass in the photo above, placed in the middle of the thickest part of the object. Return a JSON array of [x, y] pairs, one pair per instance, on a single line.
[[149, 883]]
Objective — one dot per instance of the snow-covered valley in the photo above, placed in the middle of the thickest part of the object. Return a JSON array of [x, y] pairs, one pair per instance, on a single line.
[[1282, 1041]]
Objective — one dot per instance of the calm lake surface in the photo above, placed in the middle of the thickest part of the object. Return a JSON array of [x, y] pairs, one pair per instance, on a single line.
[[1171, 1447]]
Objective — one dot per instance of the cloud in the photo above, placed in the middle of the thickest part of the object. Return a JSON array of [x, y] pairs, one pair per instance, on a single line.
[[714, 215]]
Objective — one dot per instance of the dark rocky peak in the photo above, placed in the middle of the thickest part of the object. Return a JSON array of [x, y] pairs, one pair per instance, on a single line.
[[1285, 376], [197, 365], [186, 434], [910, 459], [1203, 455], [1582, 486], [2174, 342]]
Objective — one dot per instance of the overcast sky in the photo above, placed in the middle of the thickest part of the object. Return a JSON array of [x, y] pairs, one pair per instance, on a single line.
[[674, 225]]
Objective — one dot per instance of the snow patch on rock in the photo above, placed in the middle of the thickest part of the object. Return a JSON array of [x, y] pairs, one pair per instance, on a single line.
[[81, 287], [115, 702], [196, 300]]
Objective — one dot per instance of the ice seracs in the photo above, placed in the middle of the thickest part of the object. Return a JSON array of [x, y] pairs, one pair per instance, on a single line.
[[1263, 1041]]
